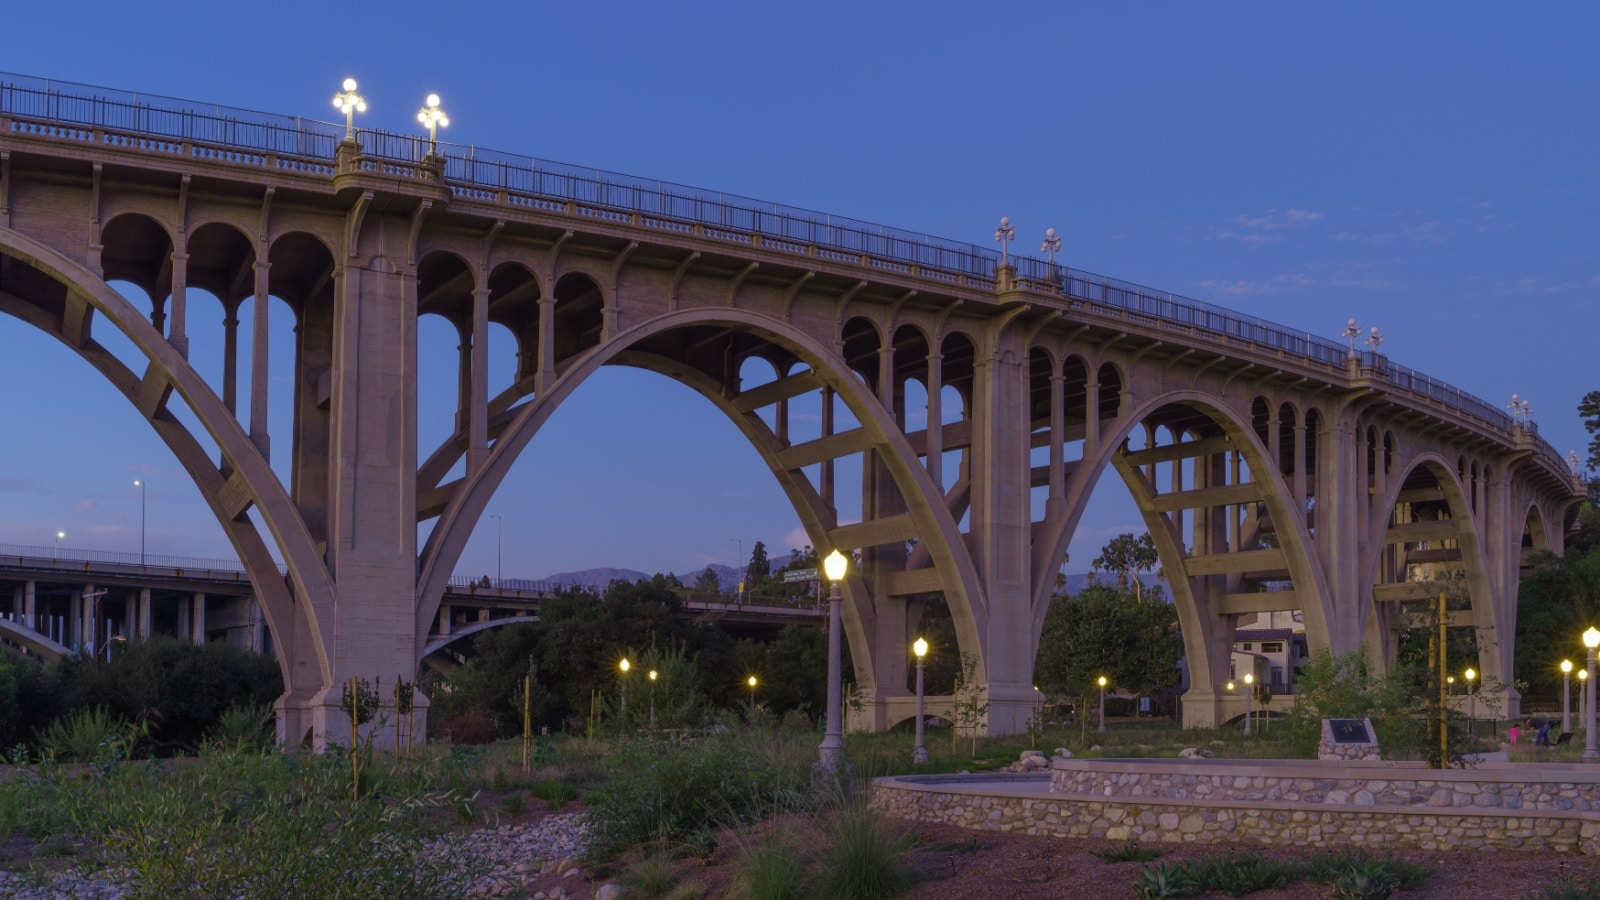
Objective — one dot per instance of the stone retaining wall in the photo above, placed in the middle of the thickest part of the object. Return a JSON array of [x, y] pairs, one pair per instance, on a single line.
[[1241, 801], [1176, 821], [1547, 788]]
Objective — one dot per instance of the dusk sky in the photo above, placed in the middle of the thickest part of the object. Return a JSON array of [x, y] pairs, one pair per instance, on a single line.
[[1426, 168]]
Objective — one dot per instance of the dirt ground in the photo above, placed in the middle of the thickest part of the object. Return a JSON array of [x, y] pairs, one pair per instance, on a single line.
[[950, 863]]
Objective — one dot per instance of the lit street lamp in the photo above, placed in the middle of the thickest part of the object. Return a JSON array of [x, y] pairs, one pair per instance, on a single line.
[[349, 102], [1591, 752], [1102, 682], [652, 701], [1566, 696], [1472, 700], [830, 755], [1351, 331], [752, 683], [1583, 690], [1004, 234], [1375, 340], [624, 666], [55, 552], [1051, 246], [139, 483], [433, 117], [919, 753], [1249, 699]]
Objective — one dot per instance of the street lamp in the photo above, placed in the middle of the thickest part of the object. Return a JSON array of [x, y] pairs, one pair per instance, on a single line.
[[1375, 340], [1249, 699], [1102, 682], [349, 102], [1351, 331], [1566, 696], [1051, 246], [433, 117], [652, 701], [1472, 700], [624, 666], [1583, 689], [1004, 234], [752, 683], [830, 755], [55, 552], [139, 483], [499, 524], [919, 753], [1591, 753]]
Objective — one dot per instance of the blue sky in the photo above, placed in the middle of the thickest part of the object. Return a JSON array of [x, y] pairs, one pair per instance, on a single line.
[[1426, 168]]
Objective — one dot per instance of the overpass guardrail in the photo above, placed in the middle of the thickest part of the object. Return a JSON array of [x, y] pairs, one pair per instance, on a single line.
[[477, 172]]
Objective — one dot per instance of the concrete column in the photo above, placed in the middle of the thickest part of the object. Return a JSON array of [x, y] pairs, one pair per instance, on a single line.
[[258, 362], [30, 609], [230, 358], [478, 440], [547, 339], [825, 479], [178, 337], [1300, 432], [1339, 515], [936, 419], [144, 613], [197, 618], [1058, 436], [463, 381], [75, 617], [445, 611], [1091, 415]]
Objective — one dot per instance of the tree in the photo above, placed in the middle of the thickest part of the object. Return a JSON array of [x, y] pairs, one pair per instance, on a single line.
[[1126, 556], [1589, 410], [759, 568], [708, 582]]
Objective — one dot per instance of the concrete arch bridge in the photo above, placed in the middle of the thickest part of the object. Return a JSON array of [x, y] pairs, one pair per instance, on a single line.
[[976, 399]]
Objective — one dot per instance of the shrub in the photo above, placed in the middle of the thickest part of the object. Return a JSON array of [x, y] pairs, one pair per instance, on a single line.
[[1238, 872], [1163, 881], [651, 876], [554, 791], [860, 859], [242, 728], [1588, 889], [1130, 852], [1362, 874], [82, 735], [771, 869], [471, 729]]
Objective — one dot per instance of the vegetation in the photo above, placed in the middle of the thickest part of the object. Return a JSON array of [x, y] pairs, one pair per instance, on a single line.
[[1352, 875]]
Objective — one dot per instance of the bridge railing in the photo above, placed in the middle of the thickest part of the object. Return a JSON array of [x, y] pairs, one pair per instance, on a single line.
[[112, 557], [472, 170]]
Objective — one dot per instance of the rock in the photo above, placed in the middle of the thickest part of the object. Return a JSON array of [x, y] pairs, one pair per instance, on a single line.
[[565, 866], [609, 891], [1095, 749], [1063, 753], [1032, 754], [1188, 753]]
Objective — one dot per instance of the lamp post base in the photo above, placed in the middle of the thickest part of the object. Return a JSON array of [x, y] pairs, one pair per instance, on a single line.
[[832, 775]]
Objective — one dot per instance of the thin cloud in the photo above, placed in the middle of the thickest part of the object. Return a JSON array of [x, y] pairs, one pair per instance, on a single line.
[[21, 486], [85, 505], [1266, 227]]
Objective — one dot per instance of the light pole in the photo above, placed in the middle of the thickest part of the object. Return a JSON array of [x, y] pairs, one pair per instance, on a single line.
[[652, 701], [139, 483], [623, 685], [1231, 686], [1249, 699], [738, 573], [349, 102], [1351, 331], [433, 117], [1050, 247], [1591, 752], [919, 753], [1583, 700], [830, 755], [1102, 682], [1004, 234], [1472, 700], [752, 683], [1566, 696], [499, 533], [55, 553], [1375, 340]]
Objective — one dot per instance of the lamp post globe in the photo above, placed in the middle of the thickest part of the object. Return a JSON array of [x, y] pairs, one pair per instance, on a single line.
[[1591, 752], [1471, 675], [623, 687], [1583, 696], [919, 751], [652, 700]]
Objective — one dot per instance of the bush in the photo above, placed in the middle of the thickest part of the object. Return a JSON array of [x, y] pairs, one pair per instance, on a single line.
[[471, 729], [860, 859], [554, 791], [81, 736], [242, 728]]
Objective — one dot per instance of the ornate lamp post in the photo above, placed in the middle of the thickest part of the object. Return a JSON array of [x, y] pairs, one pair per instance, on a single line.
[[830, 755], [1566, 696], [1102, 682], [1591, 752], [1004, 234], [1051, 246], [652, 701], [1375, 340], [349, 102], [433, 117], [1583, 696], [919, 753], [139, 483], [1249, 699], [1230, 687], [752, 682], [1351, 331]]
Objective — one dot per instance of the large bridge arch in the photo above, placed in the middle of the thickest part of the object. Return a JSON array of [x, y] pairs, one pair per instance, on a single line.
[[1207, 593], [929, 519], [1427, 484], [61, 297]]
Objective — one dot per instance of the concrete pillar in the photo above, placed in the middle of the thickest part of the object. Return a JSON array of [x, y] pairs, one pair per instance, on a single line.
[[825, 477], [1091, 414], [197, 618], [1300, 432], [75, 617], [1058, 436], [30, 609], [547, 337], [445, 610], [230, 358], [144, 613], [258, 361], [179, 337], [936, 419], [478, 437]]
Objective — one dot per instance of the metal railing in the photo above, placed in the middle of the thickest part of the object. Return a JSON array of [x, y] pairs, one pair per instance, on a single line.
[[112, 557], [472, 170]]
